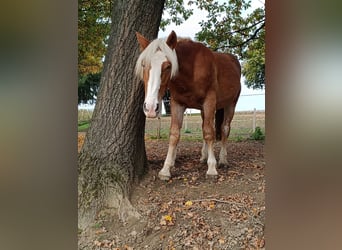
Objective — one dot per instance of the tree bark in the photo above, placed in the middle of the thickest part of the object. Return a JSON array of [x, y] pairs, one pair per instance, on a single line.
[[113, 156]]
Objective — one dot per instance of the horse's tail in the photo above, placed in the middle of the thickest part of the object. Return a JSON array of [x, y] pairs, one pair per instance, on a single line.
[[219, 115]]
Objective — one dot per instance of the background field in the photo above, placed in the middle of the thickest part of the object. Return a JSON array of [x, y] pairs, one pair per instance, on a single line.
[[241, 127]]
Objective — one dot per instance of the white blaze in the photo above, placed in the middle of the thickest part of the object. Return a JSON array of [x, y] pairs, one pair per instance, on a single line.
[[153, 84]]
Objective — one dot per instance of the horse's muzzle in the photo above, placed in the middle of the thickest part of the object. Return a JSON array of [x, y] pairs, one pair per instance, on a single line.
[[150, 112]]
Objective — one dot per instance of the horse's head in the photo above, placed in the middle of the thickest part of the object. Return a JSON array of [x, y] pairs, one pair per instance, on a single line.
[[156, 65]]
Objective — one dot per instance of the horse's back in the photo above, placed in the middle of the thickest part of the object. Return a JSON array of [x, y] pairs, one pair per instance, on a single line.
[[228, 63], [201, 70], [228, 76]]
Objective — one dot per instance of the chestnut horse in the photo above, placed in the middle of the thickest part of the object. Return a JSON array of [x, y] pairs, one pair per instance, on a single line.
[[197, 78]]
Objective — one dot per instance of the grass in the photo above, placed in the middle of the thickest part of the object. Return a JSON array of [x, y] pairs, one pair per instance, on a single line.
[[83, 126], [84, 118], [258, 134]]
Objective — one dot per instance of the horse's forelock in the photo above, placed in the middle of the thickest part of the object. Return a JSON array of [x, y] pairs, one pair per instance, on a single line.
[[146, 55]]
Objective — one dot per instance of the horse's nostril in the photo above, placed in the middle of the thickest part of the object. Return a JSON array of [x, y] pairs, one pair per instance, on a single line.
[[157, 108], [144, 106]]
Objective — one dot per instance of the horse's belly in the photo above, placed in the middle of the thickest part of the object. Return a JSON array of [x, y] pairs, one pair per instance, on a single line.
[[189, 100]]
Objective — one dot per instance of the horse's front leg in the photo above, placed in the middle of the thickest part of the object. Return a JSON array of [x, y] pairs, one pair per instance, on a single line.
[[177, 112], [209, 139], [209, 134]]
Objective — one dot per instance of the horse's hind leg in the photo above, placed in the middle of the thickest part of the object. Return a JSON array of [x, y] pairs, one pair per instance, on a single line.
[[225, 130], [204, 151], [177, 113]]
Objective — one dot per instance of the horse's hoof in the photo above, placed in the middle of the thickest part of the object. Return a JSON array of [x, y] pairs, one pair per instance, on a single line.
[[164, 177], [203, 161], [223, 165], [211, 177]]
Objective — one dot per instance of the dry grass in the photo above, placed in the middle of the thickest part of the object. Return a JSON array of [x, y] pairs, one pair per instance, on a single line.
[[84, 115], [241, 127]]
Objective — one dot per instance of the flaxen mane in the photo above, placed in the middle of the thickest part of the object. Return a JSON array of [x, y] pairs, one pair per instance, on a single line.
[[145, 57]]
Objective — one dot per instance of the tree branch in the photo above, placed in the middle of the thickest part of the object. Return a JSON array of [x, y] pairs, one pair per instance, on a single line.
[[219, 201], [247, 28], [252, 37]]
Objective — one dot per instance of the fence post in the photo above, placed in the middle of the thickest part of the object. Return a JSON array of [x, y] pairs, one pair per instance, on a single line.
[[254, 120], [186, 121], [159, 127]]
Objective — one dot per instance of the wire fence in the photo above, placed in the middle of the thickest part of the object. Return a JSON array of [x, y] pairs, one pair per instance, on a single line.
[[242, 126]]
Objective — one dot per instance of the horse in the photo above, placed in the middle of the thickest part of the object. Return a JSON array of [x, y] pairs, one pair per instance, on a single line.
[[196, 78]]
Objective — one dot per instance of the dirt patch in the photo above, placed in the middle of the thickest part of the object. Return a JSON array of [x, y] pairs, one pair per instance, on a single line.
[[190, 211]]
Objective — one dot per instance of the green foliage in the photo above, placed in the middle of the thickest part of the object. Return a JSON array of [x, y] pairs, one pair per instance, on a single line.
[[98, 225], [88, 86], [187, 131], [258, 134], [94, 20], [238, 138], [162, 137], [254, 66], [177, 13], [230, 29]]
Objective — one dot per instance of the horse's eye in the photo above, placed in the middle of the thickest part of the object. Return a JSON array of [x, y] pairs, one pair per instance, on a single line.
[[167, 67], [143, 64]]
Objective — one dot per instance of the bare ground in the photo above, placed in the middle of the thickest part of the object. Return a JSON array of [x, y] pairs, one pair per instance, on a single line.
[[190, 211]]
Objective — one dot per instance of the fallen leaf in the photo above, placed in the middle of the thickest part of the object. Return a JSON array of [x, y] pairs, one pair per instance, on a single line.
[[188, 203], [162, 222], [190, 215], [166, 220], [261, 243], [128, 247], [97, 243], [211, 206]]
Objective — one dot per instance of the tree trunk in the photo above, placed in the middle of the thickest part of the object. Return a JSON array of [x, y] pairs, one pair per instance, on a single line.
[[113, 155]]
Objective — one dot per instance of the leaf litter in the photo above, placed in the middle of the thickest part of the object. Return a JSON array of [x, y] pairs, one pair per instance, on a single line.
[[190, 211]]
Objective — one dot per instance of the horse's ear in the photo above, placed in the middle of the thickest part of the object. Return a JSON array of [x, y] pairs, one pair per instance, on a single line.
[[172, 40], [143, 42]]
